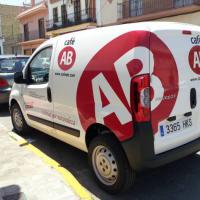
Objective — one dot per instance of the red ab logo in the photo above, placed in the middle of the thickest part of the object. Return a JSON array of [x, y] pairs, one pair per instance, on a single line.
[[194, 59], [66, 58]]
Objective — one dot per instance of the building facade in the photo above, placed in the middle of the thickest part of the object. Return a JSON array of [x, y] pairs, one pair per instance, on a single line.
[[10, 29], [106, 11], [1, 39], [33, 22], [129, 11], [70, 15]]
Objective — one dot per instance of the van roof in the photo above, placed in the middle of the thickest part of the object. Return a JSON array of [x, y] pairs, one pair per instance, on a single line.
[[148, 26], [159, 25], [151, 25]]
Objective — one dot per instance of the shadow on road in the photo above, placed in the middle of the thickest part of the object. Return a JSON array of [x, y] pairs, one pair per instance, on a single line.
[[4, 110], [178, 180]]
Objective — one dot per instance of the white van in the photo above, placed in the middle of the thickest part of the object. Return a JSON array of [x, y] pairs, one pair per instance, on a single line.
[[129, 95]]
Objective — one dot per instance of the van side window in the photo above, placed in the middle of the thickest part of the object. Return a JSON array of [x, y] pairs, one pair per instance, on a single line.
[[39, 67]]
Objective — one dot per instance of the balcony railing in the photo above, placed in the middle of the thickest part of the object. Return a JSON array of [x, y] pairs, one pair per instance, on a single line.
[[133, 8], [32, 35], [72, 19]]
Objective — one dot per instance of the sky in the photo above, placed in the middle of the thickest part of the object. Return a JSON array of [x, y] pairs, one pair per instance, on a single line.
[[13, 2]]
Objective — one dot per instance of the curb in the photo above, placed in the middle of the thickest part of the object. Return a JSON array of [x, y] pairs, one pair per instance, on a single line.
[[67, 176]]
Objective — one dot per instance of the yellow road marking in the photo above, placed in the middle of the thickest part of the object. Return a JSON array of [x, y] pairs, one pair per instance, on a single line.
[[67, 176]]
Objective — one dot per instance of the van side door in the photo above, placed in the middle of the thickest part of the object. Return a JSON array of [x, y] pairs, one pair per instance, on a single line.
[[37, 92], [66, 76]]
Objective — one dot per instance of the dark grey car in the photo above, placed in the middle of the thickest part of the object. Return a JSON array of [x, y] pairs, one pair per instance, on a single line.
[[9, 64]]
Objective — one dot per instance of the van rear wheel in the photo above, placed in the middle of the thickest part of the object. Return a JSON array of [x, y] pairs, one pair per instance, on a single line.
[[18, 121], [110, 165]]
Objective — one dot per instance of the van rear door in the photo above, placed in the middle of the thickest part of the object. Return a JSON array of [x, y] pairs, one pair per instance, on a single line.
[[175, 85]]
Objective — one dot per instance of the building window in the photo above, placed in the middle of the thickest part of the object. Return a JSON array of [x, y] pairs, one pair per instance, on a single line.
[[13, 50], [77, 10], [63, 13], [181, 3], [0, 50], [41, 28], [86, 7], [55, 15], [27, 52], [135, 7], [26, 32]]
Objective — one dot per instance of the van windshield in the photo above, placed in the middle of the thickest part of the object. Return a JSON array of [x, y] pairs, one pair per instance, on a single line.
[[12, 65]]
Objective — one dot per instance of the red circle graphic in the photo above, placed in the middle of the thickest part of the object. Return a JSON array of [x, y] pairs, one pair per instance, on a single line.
[[66, 58], [194, 59], [103, 62]]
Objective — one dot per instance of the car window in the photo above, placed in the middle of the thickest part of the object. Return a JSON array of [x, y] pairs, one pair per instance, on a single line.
[[39, 67], [12, 65]]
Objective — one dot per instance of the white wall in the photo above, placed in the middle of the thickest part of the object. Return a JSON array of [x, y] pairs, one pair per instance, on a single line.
[[106, 11]]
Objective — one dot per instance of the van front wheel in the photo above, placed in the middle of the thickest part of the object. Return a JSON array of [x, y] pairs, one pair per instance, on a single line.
[[110, 165], [18, 121]]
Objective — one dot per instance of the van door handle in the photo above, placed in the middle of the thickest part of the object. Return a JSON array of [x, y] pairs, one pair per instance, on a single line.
[[193, 98], [49, 97]]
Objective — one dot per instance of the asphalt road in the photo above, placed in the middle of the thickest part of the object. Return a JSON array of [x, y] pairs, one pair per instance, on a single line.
[[178, 180]]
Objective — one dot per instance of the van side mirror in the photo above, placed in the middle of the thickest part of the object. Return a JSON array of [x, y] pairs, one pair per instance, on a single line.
[[18, 78]]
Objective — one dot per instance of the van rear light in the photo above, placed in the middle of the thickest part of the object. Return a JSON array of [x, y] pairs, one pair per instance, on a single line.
[[3, 83], [140, 98]]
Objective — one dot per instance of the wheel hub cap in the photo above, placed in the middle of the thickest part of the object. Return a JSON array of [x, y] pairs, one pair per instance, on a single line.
[[105, 165], [18, 118]]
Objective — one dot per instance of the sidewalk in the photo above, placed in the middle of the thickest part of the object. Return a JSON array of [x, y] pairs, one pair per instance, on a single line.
[[25, 176]]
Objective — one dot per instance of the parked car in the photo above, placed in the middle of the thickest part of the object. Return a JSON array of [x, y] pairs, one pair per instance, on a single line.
[[9, 64], [129, 95]]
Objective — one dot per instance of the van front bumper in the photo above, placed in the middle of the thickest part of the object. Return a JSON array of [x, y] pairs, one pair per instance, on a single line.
[[140, 149]]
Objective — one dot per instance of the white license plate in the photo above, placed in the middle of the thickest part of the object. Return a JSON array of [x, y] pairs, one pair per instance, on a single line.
[[176, 126]]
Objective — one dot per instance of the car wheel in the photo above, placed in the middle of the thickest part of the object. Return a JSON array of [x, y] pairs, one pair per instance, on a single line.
[[110, 165], [18, 121]]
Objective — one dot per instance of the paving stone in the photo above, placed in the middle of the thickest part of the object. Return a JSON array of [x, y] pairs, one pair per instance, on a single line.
[[23, 175]]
